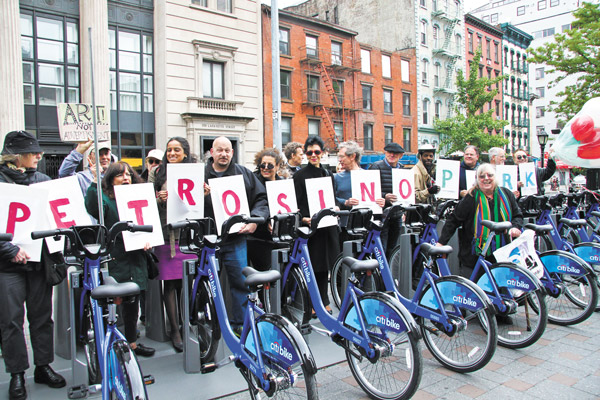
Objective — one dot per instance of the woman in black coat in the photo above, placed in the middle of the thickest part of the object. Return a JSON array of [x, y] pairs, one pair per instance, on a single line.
[[323, 246]]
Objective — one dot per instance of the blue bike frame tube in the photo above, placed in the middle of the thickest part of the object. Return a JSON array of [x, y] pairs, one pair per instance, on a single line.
[[545, 219], [91, 281], [495, 296], [112, 335]]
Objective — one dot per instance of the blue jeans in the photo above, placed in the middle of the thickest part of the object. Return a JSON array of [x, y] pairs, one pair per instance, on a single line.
[[233, 258]]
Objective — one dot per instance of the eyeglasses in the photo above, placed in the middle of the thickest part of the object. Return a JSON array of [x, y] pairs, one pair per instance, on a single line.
[[124, 174], [267, 166], [153, 161], [521, 157], [315, 152], [486, 176]]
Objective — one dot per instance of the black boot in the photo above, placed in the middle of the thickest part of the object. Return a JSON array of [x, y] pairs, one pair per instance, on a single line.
[[16, 389], [46, 375]]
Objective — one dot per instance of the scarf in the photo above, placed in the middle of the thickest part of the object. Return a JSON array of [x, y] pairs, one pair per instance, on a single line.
[[501, 212]]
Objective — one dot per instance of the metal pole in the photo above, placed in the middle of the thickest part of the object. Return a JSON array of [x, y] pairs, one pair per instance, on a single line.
[[275, 81], [98, 176]]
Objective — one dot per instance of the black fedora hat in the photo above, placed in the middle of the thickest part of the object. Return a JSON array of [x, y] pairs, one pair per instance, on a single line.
[[20, 142]]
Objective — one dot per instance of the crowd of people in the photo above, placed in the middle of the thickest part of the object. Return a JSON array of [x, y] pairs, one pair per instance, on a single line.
[[22, 282]]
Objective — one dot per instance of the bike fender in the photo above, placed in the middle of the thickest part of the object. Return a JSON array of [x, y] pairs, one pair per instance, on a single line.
[[460, 292], [562, 262], [588, 251], [511, 276], [276, 342]]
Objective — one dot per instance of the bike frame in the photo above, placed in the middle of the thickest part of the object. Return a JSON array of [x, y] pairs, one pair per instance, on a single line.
[[572, 213]]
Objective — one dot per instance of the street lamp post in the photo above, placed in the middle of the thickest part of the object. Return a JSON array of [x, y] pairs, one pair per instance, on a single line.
[[542, 137]]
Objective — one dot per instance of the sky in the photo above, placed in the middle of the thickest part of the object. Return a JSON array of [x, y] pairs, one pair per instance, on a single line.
[[468, 4]]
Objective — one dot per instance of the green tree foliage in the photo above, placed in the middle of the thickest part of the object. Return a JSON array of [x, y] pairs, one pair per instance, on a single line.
[[469, 125], [576, 52]]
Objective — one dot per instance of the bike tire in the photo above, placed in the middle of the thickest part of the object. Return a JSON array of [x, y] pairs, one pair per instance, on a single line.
[[125, 375], [295, 301], [576, 302], [208, 330], [522, 329], [543, 243], [399, 365], [88, 338], [468, 349], [372, 282]]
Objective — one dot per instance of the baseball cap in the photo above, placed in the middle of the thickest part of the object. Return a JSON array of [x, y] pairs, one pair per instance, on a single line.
[[156, 153]]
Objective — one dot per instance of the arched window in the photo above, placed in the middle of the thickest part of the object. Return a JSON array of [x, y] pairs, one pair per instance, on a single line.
[[436, 37], [438, 109], [437, 75]]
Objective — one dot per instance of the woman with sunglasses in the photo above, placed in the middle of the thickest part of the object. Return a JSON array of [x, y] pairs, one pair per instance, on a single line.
[[484, 201], [541, 174], [323, 246]]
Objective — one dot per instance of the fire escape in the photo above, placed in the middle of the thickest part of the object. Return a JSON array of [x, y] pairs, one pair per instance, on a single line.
[[451, 55]]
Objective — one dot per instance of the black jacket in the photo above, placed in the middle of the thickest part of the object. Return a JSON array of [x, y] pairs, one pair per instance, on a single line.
[[7, 249], [385, 172], [462, 179]]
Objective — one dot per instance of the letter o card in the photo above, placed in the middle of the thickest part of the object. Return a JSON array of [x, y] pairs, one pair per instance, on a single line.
[[22, 211], [281, 195], [366, 187], [319, 193], [228, 196], [137, 203], [403, 185], [185, 184]]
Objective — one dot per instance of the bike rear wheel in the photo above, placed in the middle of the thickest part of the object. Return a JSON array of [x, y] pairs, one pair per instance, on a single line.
[[88, 339], [367, 282], [395, 372], [295, 301], [472, 346], [125, 375], [203, 315], [527, 324], [577, 300]]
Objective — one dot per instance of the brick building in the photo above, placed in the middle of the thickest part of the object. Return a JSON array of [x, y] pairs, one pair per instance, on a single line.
[[334, 87]]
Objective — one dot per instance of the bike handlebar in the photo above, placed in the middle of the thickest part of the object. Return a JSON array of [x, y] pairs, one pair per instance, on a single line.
[[6, 237]]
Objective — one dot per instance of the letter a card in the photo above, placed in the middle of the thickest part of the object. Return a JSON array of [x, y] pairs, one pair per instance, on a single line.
[[22, 211], [137, 203], [281, 195], [527, 176], [228, 195], [185, 184], [446, 177], [366, 187]]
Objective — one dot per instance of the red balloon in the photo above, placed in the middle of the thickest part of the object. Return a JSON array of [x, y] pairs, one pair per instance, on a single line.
[[583, 128]]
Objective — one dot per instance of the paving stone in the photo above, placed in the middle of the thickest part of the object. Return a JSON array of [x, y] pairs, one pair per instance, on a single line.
[[554, 390], [529, 360], [589, 384], [423, 395], [564, 379], [518, 384], [571, 356], [471, 391]]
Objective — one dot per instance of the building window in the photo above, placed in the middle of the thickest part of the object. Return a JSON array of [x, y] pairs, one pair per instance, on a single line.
[[203, 3], [386, 66], [224, 5], [438, 109], [436, 37], [365, 61], [284, 41], [497, 109], [479, 43], [387, 101], [554, 3], [338, 128], [406, 104], [368, 136], [496, 45], [338, 90], [367, 99], [434, 5], [521, 10], [314, 127], [425, 72], [388, 134], [494, 18], [488, 49], [423, 3], [335, 15], [458, 43], [423, 32], [286, 130], [539, 112], [506, 56], [470, 44], [313, 89], [406, 142], [541, 92], [539, 73], [405, 70], [285, 78], [336, 53], [566, 27], [541, 5], [426, 111], [312, 47], [437, 70], [213, 85]]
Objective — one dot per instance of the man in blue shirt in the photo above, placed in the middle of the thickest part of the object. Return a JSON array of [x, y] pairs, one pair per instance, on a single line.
[[85, 177]]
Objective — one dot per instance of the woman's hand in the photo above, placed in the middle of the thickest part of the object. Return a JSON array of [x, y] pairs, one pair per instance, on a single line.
[[351, 202], [206, 189], [147, 246], [21, 257], [514, 232], [162, 196], [380, 202]]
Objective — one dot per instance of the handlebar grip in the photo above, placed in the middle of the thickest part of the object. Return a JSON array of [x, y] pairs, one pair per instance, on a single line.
[[178, 225], [43, 234], [343, 212], [141, 228], [6, 237], [256, 220]]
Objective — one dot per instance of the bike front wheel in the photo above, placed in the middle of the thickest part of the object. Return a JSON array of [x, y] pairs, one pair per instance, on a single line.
[[295, 303], [395, 370], [88, 338], [126, 380], [576, 301], [527, 324], [203, 315]]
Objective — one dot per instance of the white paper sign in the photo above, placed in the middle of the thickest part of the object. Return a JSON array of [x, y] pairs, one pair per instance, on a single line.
[[281, 196], [137, 203], [447, 175], [506, 176], [403, 185], [185, 185], [470, 178], [319, 193], [366, 187], [76, 122], [22, 211], [521, 251], [228, 195], [65, 207], [528, 178]]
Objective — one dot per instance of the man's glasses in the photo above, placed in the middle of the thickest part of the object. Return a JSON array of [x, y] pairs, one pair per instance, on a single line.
[[153, 161], [315, 152], [521, 157], [267, 166]]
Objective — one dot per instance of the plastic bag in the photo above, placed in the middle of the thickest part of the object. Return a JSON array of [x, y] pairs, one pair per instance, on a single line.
[[521, 251]]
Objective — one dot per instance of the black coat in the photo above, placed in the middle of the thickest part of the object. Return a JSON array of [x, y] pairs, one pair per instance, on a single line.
[[462, 178], [7, 249], [385, 172]]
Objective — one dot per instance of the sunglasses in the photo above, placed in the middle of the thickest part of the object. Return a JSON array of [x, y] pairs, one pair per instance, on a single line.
[[521, 157], [153, 161], [267, 166], [486, 176], [315, 152]]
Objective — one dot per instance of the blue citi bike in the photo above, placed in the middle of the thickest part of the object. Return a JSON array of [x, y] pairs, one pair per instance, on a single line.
[[379, 335], [517, 294], [455, 316], [270, 352], [112, 365]]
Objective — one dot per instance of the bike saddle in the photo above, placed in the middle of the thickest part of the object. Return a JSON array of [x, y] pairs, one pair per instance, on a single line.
[[431, 250], [360, 265], [573, 223], [539, 228], [596, 214], [497, 226], [256, 278], [111, 289]]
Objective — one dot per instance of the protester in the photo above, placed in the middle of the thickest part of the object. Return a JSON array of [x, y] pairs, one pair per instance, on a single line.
[[293, 152], [484, 201], [75, 157], [541, 174], [23, 282], [124, 266], [169, 256], [153, 160], [260, 243], [497, 156], [349, 154], [233, 253], [470, 162], [323, 246], [424, 170]]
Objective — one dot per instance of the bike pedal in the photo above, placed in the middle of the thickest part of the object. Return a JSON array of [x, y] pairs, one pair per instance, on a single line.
[[208, 368], [77, 392], [149, 380]]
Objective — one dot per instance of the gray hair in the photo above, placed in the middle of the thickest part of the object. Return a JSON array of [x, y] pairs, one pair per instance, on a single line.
[[484, 168], [494, 152], [352, 148], [9, 158], [472, 146]]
